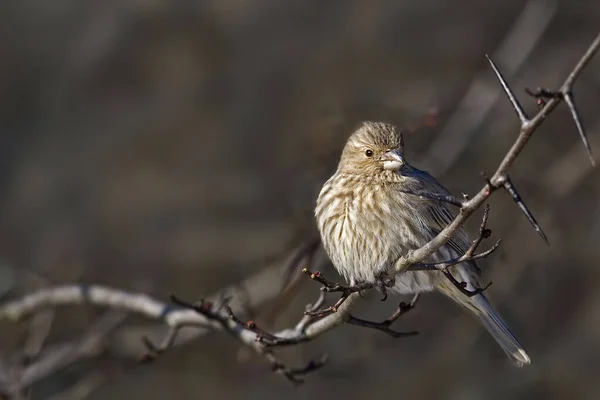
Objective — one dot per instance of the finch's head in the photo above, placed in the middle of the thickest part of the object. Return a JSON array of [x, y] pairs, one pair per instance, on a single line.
[[373, 148]]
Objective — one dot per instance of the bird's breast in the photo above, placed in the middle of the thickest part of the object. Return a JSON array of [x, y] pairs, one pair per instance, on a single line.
[[354, 222]]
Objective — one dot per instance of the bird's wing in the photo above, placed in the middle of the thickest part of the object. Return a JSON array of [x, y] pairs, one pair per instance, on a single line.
[[437, 212], [441, 217]]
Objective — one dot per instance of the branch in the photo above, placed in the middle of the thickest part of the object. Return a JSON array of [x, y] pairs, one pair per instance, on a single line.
[[543, 94], [41, 362], [384, 326], [220, 315], [58, 357], [497, 181], [469, 255], [249, 334], [259, 288]]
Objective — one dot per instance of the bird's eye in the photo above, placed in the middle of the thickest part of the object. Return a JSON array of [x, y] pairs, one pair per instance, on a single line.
[[369, 153]]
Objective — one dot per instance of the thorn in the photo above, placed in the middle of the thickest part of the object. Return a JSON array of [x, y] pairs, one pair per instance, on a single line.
[[510, 188], [568, 97], [511, 96], [541, 94]]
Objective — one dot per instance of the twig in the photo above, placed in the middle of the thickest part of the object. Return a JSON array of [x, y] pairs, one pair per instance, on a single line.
[[543, 94], [259, 340], [220, 319], [295, 375], [469, 207], [497, 181], [56, 357], [380, 284], [469, 255], [310, 309], [384, 326]]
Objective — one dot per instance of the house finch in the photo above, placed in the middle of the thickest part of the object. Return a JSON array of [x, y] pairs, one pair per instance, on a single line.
[[366, 223]]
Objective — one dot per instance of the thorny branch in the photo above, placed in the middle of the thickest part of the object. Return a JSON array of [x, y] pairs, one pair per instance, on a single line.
[[218, 315], [499, 180], [544, 94]]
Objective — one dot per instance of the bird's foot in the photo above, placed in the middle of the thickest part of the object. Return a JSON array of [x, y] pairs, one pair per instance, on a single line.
[[382, 283]]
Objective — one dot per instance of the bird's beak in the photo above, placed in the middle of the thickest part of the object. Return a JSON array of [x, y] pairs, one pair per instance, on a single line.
[[392, 160]]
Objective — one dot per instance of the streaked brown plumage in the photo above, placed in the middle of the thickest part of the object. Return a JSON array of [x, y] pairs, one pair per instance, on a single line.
[[366, 224]]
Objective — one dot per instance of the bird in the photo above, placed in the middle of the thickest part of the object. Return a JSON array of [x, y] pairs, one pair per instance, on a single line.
[[368, 218]]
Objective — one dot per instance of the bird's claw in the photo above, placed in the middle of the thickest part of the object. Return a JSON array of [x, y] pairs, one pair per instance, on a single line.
[[382, 283]]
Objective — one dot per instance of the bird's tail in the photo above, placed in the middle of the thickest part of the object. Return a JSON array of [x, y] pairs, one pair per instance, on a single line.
[[481, 307]]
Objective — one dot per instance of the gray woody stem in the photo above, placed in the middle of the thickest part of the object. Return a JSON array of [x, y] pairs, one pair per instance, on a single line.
[[218, 317], [497, 181]]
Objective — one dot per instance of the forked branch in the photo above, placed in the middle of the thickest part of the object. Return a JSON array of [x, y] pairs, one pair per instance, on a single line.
[[499, 180], [218, 316], [251, 335], [384, 326]]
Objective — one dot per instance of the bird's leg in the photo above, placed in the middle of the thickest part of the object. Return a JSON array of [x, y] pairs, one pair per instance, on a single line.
[[384, 282], [384, 326]]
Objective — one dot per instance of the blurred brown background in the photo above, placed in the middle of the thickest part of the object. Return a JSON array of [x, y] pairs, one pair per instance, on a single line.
[[178, 146]]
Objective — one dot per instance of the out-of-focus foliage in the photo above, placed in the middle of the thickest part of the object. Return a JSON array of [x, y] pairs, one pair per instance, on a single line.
[[181, 144]]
